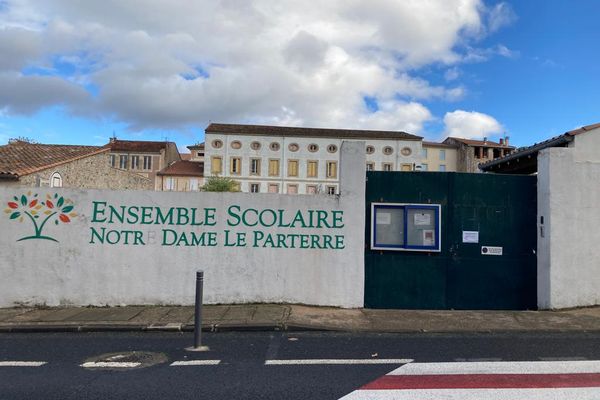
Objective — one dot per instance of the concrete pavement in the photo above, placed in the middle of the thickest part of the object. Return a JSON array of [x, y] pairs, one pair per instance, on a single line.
[[294, 317]]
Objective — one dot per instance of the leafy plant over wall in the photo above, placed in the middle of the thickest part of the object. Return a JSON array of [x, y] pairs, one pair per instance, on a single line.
[[39, 212]]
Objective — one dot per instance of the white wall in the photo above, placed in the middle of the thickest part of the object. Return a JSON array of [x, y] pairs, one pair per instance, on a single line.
[[75, 271], [568, 240]]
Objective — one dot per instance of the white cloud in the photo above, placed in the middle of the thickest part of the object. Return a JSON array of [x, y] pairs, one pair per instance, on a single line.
[[471, 125], [181, 63], [500, 15], [452, 74]]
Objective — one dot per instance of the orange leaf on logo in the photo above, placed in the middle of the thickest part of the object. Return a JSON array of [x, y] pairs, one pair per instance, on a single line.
[[64, 218], [12, 204], [49, 204], [33, 203]]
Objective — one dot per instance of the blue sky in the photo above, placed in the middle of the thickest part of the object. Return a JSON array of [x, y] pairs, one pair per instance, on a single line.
[[76, 74]]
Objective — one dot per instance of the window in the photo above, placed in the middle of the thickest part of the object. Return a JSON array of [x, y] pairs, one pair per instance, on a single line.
[[273, 188], [332, 148], [405, 227], [274, 146], [442, 154], [123, 161], [255, 146], [194, 184], [273, 167], [386, 166], [170, 183], [370, 149], [147, 162], [424, 153], [293, 147], [56, 180], [424, 167], [292, 189], [370, 166], [200, 154], [311, 189], [331, 190], [255, 188], [236, 144], [113, 160], [406, 167], [135, 162], [406, 151], [255, 166], [235, 166], [292, 168], [332, 169], [216, 165], [312, 168], [442, 167], [217, 144], [313, 148], [387, 150]]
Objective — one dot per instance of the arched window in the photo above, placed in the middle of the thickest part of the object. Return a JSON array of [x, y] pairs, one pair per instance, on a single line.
[[56, 180]]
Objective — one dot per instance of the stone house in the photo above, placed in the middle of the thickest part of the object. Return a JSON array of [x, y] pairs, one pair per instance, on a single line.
[[50, 165], [145, 158], [470, 152]]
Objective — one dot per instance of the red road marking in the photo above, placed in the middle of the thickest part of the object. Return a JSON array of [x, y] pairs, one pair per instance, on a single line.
[[485, 381]]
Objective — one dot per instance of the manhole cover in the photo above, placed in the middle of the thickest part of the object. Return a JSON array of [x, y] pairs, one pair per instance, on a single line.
[[125, 360]]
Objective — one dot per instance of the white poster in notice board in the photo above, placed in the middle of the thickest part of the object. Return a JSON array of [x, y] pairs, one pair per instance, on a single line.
[[470, 236]]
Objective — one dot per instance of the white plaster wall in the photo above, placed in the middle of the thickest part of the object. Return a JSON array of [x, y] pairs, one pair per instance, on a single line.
[[569, 201], [77, 272]]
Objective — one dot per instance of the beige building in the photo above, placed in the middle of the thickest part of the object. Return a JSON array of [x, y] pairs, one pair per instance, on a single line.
[[293, 160], [439, 157], [197, 152], [181, 176], [470, 153], [50, 165], [145, 158]]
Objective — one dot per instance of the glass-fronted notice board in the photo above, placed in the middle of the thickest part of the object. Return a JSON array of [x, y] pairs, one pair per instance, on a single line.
[[405, 227]]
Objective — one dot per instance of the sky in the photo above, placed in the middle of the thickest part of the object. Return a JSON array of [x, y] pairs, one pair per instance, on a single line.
[[79, 72]]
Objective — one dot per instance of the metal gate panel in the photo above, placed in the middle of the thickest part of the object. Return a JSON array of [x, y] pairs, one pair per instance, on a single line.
[[502, 208]]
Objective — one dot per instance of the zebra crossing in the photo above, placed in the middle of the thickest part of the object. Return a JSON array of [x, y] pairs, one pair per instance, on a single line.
[[490, 380]]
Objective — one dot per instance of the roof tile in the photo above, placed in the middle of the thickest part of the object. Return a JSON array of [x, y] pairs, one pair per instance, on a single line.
[[266, 130], [184, 168], [20, 158]]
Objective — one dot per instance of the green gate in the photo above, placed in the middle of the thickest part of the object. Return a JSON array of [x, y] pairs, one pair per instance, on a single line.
[[502, 208]]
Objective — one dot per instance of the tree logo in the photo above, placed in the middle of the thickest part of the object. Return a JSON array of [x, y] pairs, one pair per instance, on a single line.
[[39, 212]]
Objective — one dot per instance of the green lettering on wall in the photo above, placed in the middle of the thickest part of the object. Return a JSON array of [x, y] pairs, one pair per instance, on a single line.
[[97, 211]]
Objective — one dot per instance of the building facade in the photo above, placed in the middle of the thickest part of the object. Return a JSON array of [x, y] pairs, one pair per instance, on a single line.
[[145, 158], [439, 157], [270, 159], [181, 176], [470, 153], [46, 165]]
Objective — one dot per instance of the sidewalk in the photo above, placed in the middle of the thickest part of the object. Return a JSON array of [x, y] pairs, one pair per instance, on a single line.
[[267, 317]]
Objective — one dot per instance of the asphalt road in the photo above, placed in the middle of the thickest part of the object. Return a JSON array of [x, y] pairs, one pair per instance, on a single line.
[[242, 372]]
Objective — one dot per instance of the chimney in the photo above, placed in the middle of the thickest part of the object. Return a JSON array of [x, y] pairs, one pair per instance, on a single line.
[[501, 142], [506, 140], [484, 139]]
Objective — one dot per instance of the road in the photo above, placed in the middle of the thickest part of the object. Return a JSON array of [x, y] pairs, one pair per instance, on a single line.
[[250, 365]]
